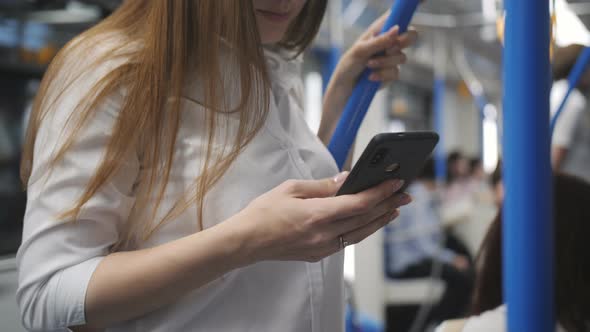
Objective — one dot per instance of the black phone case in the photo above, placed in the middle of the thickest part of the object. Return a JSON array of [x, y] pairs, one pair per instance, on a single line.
[[408, 150]]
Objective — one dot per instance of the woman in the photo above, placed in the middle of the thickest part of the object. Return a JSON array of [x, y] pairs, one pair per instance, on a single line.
[[572, 266], [172, 179]]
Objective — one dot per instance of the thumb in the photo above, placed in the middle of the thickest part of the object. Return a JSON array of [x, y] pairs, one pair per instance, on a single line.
[[317, 188]]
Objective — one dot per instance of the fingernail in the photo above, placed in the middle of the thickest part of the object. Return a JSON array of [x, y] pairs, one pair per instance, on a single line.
[[373, 63], [397, 184], [373, 77], [340, 177], [395, 27], [394, 214], [406, 199]]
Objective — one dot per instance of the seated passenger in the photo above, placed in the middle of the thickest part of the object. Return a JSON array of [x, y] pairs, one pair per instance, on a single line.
[[572, 269]]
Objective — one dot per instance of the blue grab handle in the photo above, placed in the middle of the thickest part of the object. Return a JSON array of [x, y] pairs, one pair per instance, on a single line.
[[364, 91], [572, 80]]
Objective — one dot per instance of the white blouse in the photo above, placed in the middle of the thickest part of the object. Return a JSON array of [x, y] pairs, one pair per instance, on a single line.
[[57, 259]]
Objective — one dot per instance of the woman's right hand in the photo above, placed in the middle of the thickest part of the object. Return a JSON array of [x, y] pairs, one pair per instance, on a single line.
[[302, 219]]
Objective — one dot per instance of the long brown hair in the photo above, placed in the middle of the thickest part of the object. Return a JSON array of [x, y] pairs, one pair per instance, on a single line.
[[169, 38], [572, 258]]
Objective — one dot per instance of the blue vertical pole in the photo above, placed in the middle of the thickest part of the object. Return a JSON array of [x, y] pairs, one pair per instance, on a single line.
[[528, 230], [440, 158]]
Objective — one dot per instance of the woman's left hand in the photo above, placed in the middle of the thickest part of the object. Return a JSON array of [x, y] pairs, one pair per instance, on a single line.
[[382, 53]]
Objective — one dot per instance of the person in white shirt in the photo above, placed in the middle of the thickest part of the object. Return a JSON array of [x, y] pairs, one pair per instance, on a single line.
[[173, 184], [570, 145], [572, 266]]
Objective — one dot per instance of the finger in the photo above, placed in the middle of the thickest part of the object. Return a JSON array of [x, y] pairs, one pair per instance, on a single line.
[[315, 188], [387, 61], [362, 233], [386, 207], [385, 75], [372, 46], [393, 50], [345, 206], [407, 39]]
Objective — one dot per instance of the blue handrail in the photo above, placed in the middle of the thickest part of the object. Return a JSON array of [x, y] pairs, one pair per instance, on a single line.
[[364, 91], [528, 227], [572, 80]]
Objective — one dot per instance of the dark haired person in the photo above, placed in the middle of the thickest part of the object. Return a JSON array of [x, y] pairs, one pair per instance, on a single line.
[[572, 266]]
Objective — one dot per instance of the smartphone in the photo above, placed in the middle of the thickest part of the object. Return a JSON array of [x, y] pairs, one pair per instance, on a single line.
[[390, 156]]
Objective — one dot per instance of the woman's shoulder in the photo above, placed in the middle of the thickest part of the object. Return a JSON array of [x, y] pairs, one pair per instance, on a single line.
[[104, 51], [455, 325], [492, 321], [83, 63], [489, 321]]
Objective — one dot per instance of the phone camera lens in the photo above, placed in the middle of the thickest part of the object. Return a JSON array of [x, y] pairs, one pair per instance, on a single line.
[[378, 157]]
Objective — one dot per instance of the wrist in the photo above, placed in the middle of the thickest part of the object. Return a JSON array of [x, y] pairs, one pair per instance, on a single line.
[[335, 98], [240, 240], [339, 87]]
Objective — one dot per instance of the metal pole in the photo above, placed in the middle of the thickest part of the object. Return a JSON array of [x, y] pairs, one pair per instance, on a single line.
[[528, 229]]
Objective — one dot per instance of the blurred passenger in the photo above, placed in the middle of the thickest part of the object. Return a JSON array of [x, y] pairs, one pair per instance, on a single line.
[[415, 243], [476, 170], [457, 203], [572, 266], [571, 137], [498, 185], [479, 185], [457, 167], [457, 177]]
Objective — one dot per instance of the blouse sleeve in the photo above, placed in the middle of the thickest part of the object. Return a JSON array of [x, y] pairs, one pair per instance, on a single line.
[[58, 257]]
